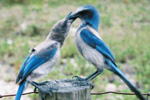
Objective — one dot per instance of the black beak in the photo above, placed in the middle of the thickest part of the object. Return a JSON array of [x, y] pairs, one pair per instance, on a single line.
[[73, 17], [68, 18]]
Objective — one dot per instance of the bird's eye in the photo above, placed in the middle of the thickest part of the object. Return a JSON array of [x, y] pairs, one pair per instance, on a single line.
[[32, 50]]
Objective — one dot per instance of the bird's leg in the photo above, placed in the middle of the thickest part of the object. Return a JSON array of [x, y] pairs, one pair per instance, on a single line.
[[87, 78], [92, 76], [41, 83], [85, 81], [41, 89], [79, 78], [80, 81]]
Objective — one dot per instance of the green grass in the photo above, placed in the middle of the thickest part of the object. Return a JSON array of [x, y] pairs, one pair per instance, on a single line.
[[124, 27]]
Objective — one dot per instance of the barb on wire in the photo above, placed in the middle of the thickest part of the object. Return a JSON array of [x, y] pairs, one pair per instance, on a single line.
[[100, 93]]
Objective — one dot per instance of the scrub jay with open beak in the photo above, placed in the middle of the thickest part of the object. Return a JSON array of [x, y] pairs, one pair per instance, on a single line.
[[44, 56]]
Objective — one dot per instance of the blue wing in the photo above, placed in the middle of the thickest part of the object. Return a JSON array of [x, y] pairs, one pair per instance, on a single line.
[[34, 61], [96, 43], [22, 68]]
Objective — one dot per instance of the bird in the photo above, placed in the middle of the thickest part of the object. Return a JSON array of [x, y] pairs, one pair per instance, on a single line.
[[44, 56], [91, 46]]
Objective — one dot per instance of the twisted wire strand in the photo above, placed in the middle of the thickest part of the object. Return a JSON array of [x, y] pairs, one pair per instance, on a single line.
[[94, 93]]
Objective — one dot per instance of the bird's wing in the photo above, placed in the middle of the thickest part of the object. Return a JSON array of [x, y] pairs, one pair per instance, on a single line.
[[22, 68], [35, 59], [96, 43]]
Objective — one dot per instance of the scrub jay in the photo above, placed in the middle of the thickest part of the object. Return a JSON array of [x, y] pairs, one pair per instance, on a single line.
[[44, 56], [92, 47]]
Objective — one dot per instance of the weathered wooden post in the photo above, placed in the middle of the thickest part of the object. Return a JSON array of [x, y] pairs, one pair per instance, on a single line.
[[66, 90]]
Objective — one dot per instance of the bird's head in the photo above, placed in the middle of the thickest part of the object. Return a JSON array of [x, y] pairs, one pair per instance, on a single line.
[[88, 15], [62, 27]]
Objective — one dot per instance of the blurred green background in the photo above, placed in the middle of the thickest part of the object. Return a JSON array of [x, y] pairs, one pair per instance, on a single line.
[[124, 26]]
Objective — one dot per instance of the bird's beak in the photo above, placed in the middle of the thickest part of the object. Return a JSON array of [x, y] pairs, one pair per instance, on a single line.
[[67, 18], [74, 16]]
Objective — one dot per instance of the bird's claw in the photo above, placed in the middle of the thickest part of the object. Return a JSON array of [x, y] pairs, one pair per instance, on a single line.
[[42, 83], [78, 78], [40, 88], [35, 90], [91, 85], [81, 82]]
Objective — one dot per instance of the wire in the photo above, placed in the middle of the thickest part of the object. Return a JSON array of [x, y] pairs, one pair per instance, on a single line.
[[10, 95], [113, 92], [100, 93]]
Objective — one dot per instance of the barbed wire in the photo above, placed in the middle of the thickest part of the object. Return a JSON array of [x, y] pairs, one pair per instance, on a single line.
[[100, 93], [122, 93], [11, 95], [113, 92]]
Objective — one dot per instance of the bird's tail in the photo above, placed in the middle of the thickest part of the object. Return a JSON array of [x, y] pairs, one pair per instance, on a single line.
[[129, 84], [20, 90]]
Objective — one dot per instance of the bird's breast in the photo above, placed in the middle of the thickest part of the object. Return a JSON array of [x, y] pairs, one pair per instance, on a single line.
[[88, 52]]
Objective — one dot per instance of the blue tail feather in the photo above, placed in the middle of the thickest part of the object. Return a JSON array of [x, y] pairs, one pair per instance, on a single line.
[[20, 90], [115, 70]]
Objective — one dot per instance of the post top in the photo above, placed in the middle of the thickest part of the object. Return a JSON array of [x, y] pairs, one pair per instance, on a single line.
[[64, 85]]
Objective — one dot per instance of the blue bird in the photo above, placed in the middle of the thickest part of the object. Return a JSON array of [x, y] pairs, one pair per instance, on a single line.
[[44, 56], [92, 47]]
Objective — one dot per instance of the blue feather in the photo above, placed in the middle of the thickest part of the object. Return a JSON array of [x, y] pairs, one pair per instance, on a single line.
[[116, 71], [33, 63], [22, 68], [36, 60], [90, 15], [20, 90], [96, 43]]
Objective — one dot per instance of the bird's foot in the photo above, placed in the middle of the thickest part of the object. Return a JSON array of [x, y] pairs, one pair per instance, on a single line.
[[82, 82], [44, 90], [40, 84], [78, 78]]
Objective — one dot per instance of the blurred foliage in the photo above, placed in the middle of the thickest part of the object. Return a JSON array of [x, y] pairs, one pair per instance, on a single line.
[[124, 27], [10, 2]]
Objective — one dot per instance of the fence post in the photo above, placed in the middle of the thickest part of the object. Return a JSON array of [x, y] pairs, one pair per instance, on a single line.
[[66, 90]]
